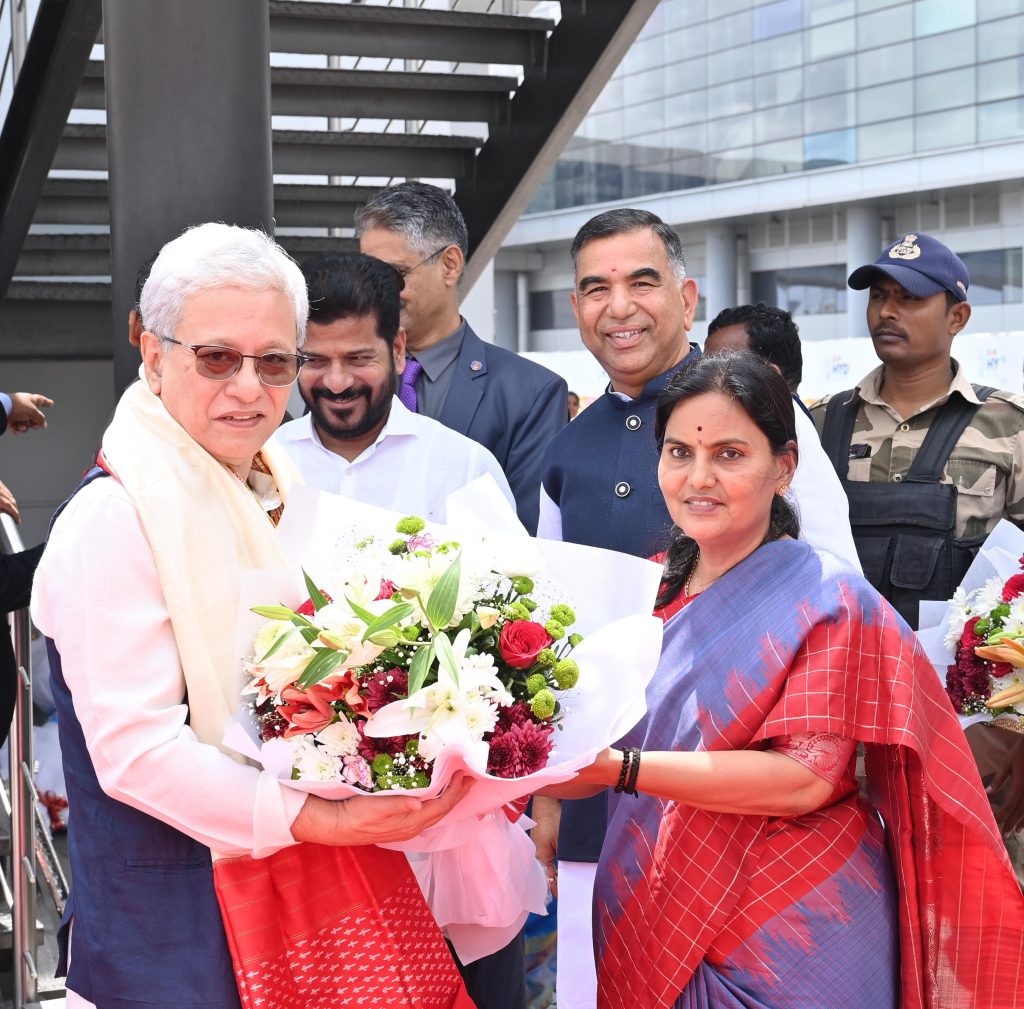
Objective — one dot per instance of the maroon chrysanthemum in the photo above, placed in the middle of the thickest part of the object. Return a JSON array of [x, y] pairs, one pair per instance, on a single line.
[[370, 747], [514, 714], [520, 750], [385, 686], [955, 688], [1014, 587]]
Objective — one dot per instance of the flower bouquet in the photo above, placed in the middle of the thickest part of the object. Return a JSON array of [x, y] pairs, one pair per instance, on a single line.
[[370, 691], [403, 658], [976, 639]]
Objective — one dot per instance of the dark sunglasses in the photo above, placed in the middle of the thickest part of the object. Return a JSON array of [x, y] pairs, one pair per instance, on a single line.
[[221, 363]]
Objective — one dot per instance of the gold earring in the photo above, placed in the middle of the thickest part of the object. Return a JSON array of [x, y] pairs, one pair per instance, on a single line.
[[782, 490]]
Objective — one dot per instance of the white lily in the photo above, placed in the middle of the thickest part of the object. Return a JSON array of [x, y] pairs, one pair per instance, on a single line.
[[450, 710]]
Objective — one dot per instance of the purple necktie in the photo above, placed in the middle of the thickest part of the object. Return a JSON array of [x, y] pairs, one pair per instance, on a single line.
[[407, 389]]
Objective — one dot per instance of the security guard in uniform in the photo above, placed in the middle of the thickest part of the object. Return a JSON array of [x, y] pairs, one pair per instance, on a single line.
[[930, 464]]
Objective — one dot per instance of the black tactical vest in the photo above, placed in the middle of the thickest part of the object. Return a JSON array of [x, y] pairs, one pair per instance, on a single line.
[[905, 531]]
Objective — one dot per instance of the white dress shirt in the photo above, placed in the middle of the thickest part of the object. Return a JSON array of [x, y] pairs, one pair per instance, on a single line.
[[97, 594], [412, 467], [816, 491]]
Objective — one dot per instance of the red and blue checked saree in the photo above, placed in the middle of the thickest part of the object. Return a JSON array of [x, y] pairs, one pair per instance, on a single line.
[[695, 909]]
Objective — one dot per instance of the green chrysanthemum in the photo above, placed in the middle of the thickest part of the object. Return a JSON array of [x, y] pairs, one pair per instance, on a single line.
[[398, 547], [575, 639], [543, 704], [567, 674], [522, 584], [563, 614], [555, 629], [410, 525], [536, 683], [547, 659]]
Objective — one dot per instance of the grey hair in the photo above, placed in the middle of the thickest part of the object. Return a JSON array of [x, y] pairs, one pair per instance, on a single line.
[[625, 221], [208, 256], [427, 216]]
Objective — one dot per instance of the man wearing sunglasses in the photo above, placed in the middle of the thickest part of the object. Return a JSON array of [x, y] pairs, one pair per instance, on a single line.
[[510, 405], [358, 438]]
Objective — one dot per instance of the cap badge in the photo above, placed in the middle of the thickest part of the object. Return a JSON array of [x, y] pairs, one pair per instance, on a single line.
[[906, 248], [962, 287], [475, 365]]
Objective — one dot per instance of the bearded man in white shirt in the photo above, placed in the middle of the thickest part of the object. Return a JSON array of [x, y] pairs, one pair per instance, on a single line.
[[359, 439]]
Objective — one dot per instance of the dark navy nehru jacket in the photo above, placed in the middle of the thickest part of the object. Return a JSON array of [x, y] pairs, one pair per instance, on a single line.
[[601, 471]]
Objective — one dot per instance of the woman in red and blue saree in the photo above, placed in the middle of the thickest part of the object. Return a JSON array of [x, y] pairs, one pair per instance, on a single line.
[[746, 871]]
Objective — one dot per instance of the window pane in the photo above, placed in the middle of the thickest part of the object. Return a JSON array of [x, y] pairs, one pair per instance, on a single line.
[[776, 54], [829, 114], [830, 40], [688, 108], [944, 129], [830, 76], [778, 18], [805, 290], [779, 159], [827, 149], [686, 75], [1001, 120], [684, 12], [643, 87], [778, 123], [731, 99], [934, 16], [691, 42], [737, 131], [999, 39], [725, 33], [729, 66], [941, 52], [988, 9], [728, 166], [817, 12], [874, 104], [779, 89], [886, 140], [885, 26], [995, 276], [944, 91], [1000, 80], [892, 63]]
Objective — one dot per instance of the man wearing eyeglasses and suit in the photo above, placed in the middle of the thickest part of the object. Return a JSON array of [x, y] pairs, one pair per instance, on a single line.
[[510, 405]]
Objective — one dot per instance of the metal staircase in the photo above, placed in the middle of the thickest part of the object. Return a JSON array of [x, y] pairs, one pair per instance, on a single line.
[[480, 97]]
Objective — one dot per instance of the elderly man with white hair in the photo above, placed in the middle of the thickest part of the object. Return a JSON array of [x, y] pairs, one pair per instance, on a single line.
[[188, 876]]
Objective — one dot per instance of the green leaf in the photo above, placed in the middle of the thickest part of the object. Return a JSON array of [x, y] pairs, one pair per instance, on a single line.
[[323, 664], [394, 615], [316, 597], [306, 629], [281, 639], [274, 612], [446, 656], [440, 606], [365, 615], [420, 667]]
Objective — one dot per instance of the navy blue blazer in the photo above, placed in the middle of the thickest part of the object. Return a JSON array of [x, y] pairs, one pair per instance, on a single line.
[[511, 406]]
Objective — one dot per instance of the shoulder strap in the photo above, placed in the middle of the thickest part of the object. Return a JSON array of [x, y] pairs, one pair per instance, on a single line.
[[92, 474], [943, 434], [837, 431]]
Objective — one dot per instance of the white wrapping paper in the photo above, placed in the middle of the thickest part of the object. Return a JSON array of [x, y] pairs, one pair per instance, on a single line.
[[478, 870]]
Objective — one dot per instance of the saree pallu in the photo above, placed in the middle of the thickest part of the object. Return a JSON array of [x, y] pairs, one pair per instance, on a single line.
[[695, 909], [317, 927]]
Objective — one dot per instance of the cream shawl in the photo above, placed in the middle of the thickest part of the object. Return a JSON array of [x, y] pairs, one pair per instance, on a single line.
[[204, 526]]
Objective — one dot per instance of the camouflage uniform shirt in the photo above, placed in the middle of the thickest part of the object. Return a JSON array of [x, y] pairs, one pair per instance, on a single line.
[[986, 464]]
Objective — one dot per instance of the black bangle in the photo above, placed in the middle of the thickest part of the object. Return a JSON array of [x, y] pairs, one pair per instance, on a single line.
[[634, 772], [630, 771]]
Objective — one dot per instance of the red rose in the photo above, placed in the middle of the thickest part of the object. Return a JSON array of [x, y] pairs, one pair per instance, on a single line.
[[1014, 587], [969, 639], [521, 642]]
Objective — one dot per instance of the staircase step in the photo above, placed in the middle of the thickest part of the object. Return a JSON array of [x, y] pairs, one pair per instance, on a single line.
[[375, 94], [83, 147], [406, 33], [85, 202]]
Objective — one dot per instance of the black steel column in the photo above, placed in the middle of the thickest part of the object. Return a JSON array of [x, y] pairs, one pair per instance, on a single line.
[[188, 131]]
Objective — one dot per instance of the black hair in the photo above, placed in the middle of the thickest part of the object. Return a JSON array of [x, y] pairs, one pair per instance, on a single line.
[[773, 336], [141, 276], [763, 396], [624, 221], [349, 285]]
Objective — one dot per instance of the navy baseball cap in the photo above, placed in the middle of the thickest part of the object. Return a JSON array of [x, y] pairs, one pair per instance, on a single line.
[[921, 264]]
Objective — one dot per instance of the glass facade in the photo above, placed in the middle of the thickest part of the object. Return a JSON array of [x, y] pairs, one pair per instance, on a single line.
[[718, 91]]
